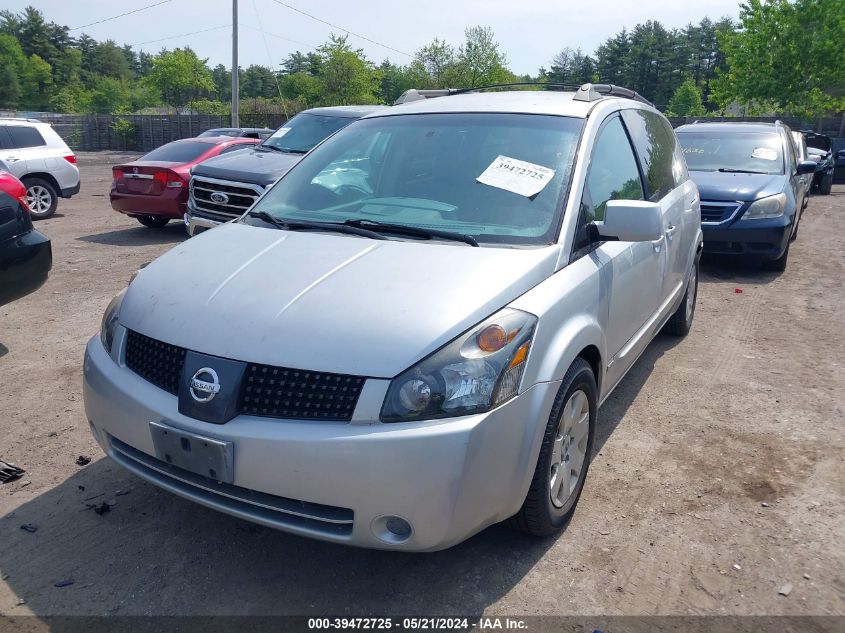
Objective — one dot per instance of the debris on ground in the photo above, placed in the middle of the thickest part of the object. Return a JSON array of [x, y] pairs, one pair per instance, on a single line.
[[67, 582], [121, 493], [83, 460], [738, 291], [9, 472], [29, 527], [20, 602], [806, 576], [102, 508], [786, 589]]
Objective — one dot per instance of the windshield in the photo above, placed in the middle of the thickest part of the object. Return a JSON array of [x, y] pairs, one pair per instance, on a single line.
[[495, 177], [304, 131], [178, 152], [712, 151]]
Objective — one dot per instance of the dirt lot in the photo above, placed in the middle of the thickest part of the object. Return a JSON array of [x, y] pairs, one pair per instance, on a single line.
[[719, 477]]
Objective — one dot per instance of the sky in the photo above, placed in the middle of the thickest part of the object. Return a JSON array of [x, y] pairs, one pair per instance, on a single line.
[[530, 32]]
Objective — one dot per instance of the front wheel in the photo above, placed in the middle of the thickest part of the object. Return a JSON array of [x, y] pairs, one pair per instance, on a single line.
[[153, 221], [680, 323], [41, 197], [564, 455], [778, 264], [826, 185]]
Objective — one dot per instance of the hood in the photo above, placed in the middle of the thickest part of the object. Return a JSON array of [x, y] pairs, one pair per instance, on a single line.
[[715, 185], [260, 167], [324, 302]]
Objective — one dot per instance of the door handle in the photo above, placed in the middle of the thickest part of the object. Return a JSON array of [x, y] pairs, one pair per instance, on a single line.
[[657, 244], [671, 231], [12, 159]]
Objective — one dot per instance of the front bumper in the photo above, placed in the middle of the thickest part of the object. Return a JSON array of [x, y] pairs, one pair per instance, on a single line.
[[25, 261], [197, 224], [448, 478], [766, 239]]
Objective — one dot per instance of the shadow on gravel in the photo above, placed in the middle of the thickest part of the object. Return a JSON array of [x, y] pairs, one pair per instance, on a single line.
[[140, 236], [3, 350], [735, 270]]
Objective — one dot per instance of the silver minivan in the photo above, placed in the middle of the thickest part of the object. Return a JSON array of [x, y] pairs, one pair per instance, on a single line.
[[408, 337]]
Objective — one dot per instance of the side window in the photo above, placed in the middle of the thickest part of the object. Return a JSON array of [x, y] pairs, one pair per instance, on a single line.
[[655, 144], [613, 175], [790, 157], [25, 136], [5, 141]]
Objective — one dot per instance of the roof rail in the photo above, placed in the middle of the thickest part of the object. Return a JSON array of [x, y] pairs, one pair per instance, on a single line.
[[19, 118], [585, 92], [593, 92]]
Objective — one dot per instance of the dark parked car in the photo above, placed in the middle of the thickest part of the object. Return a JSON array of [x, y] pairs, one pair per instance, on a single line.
[[819, 151], [223, 188], [839, 166], [748, 175], [242, 132], [25, 254], [154, 188]]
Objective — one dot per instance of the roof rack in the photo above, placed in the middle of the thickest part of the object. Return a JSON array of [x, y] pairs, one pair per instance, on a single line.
[[18, 118], [593, 92], [585, 92]]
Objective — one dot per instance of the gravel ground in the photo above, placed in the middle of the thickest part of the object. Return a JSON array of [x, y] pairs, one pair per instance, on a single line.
[[719, 477]]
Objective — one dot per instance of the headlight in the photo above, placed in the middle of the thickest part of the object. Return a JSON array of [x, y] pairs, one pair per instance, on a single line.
[[109, 324], [477, 371], [768, 207]]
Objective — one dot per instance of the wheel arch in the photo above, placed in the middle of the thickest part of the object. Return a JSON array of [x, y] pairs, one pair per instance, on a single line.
[[580, 337], [43, 175]]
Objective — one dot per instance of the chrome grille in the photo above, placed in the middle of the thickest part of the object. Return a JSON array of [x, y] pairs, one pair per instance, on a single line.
[[240, 197], [718, 211]]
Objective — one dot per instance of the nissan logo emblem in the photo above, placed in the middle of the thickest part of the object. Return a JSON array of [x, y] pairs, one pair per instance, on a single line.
[[219, 198], [204, 385]]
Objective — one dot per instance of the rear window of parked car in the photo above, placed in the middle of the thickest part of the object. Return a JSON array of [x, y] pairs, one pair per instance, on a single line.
[[25, 136], [178, 152]]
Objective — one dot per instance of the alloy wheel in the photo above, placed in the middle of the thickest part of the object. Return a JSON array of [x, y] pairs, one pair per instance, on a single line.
[[570, 449]]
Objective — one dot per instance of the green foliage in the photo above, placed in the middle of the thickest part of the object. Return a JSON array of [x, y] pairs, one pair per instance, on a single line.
[[347, 76], [790, 55], [211, 106], [180, 76], [124, 129], [302, 86], [36, 79], [109, 95], [686, 101], [479, 61], [12, 61]]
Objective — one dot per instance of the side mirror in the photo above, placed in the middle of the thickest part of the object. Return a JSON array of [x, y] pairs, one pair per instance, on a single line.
[[631, 221], [806, 167]]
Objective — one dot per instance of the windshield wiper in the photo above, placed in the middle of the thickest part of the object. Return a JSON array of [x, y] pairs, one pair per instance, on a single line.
[[729, 170], [281, 150], [299, 225], [416, 231]]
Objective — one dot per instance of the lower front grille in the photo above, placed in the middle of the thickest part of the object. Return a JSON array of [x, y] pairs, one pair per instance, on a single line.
[[157, 362], [270, 510]]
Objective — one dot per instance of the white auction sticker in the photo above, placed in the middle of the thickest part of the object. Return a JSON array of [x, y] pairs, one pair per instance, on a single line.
[[280, 132], [764, 153], [518, 176]]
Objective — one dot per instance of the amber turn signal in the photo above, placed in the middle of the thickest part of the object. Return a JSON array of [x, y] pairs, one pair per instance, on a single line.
[[520, 355], [492, 338]]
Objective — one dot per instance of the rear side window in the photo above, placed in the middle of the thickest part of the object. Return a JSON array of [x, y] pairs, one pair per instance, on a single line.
[[24, 136], [655, 143], [613, 175], [178, 152]]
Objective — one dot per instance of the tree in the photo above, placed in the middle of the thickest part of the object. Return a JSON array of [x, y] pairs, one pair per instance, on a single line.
[[348, 77], [258, 81], [180, 76], [109, 60], [434, 65], [570, 67], [36, 82], [686, 101], [12, 62], [479, 61], [788, 54]]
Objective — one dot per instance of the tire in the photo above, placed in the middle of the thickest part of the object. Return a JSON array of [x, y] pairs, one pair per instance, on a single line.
[[826, 185], [794, 235], [42, 198], [778, 264], [540, 515], [153, 221], [680, 323]]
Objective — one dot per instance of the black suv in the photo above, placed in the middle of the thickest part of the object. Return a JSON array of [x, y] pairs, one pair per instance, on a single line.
[[222, 188], [748, 176]]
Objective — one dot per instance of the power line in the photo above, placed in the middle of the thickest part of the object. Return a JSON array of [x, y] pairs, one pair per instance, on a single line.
[[173, 37], [114, 17], [340, 28], [281, 37], [270, 59]]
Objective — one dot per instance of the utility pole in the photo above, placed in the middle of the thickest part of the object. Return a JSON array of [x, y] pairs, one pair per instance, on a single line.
[[236, 119]]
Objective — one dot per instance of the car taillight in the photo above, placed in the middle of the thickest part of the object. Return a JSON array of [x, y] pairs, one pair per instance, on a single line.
[[71, 158], [169, 179]]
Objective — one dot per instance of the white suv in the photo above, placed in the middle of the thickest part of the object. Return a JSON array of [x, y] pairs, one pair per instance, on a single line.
[[36, 155]]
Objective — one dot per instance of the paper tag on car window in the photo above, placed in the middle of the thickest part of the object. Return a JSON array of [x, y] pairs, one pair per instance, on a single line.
[[764, 153], [281, 132], [517, 176]]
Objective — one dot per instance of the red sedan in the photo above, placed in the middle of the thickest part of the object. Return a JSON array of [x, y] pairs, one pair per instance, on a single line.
[[154, 188]]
